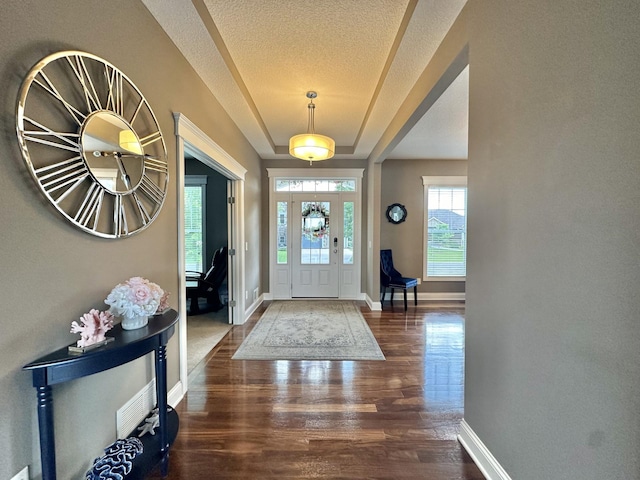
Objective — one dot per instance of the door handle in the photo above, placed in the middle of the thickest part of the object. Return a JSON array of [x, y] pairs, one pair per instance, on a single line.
[[335, 242]]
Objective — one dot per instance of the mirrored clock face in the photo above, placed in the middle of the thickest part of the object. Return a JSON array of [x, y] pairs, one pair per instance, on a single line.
[[92, 143]]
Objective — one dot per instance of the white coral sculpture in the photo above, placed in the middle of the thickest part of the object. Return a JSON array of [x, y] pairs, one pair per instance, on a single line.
[[151, 422], [92, 327]]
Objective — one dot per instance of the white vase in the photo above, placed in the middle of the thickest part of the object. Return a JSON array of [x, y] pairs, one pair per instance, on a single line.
[[132, 323]]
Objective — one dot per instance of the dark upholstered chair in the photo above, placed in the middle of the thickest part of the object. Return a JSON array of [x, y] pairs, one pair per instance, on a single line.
[[207, 285], [391, 278]]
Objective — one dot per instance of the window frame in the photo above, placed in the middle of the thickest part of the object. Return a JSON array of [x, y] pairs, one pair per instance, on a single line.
[[440, 181]]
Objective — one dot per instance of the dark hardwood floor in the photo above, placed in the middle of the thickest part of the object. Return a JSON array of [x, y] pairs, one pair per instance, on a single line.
[[394, 419]]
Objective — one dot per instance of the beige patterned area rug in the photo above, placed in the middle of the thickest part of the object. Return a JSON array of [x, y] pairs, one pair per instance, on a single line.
[[310, 330]]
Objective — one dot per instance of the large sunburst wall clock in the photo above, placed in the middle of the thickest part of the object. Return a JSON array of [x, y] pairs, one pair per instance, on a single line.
[[92, 144]]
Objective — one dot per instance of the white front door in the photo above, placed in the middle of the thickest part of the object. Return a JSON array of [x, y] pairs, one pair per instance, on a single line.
[[316, 235]]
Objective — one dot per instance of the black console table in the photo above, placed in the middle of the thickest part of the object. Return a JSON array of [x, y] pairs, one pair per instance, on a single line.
[[61, 366]]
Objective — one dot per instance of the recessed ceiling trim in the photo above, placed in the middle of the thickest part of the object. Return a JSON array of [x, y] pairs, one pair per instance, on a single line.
[[401, 125], [350, 150], [449, 60], [368, 67], [387, 66], [216, 37], [211, 27]]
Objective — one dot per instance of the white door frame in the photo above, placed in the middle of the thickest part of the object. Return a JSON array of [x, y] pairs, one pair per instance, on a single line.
[[190, 139], [308, 174]]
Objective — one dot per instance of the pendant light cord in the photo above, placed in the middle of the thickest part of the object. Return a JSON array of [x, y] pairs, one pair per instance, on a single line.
[[310, 125]]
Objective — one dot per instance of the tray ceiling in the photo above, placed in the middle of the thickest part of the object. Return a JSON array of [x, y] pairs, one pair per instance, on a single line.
[[260, 57]]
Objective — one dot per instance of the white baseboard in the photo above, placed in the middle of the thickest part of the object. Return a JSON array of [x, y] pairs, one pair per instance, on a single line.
[[176, 394], [442, 296], [252, 308], [374, 306], [429, 296], [377, 306], [480, 454]]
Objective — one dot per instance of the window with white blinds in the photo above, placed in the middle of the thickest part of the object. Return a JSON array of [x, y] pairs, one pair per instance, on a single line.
[[195, 195], [445, 226]]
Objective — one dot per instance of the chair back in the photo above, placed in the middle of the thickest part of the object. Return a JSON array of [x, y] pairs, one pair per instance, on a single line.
[[387, 271], [218, 269]]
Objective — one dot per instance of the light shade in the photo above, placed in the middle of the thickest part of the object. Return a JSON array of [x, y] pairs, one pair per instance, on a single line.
[[129, 141], [312, 147]]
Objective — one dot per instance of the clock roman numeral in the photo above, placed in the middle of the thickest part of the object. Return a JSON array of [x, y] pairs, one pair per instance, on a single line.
[[67, 174], [144, 215], [119, 217], [115, 100], [135, 114], [69, 140], [149, 139], [156, 165], [43, 80], [90, 207], [151, 190], [80, 70]]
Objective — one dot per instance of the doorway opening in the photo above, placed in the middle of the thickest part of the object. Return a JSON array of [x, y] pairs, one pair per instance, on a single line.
[[206, 258], [193, 143]]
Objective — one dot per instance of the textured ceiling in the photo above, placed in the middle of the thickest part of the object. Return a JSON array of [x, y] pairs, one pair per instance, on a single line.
[[260, 57]]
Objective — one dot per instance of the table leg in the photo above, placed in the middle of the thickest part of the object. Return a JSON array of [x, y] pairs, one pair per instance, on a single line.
[[161, 394], [47, 439]]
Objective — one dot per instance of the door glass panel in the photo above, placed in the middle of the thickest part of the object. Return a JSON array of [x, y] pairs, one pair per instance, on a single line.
[[347, 250], [314, 242], [282, 232]]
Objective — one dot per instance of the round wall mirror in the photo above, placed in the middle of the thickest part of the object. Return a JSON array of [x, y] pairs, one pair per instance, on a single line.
[[112, 151], [396, 213]]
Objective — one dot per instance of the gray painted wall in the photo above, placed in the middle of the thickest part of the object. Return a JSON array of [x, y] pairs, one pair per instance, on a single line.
[[553, 344], [50, 272], [402, 183]]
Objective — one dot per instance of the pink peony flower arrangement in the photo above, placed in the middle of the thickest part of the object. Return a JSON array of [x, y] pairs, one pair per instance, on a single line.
[[92, 327], [136, 297]]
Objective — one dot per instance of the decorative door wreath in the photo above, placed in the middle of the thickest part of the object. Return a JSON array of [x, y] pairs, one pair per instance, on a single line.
[[315, 221]]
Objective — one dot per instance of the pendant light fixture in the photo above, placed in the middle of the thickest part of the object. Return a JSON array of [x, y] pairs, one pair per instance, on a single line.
[[311, 146]]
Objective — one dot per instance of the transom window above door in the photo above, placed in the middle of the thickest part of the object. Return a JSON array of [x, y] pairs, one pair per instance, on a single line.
[[299, 185]]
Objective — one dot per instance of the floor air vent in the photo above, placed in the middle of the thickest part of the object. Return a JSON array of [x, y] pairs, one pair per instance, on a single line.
[[135, 410]]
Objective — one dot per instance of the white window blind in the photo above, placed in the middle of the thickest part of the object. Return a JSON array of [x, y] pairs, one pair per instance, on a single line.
[[445, 228], [194, 222]]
